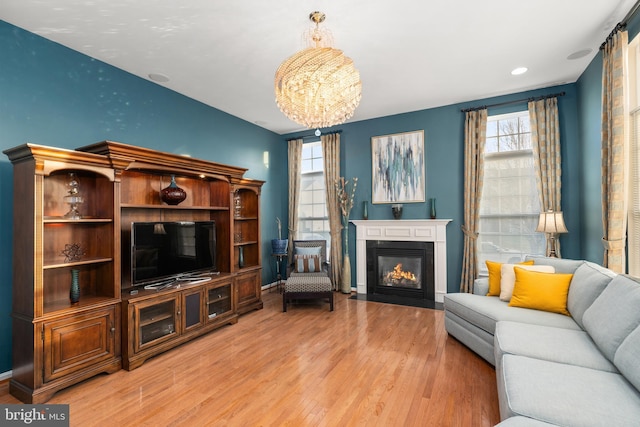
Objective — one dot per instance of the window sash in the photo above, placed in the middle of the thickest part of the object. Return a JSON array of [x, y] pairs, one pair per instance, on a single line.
[[313, 218], [510, 206]]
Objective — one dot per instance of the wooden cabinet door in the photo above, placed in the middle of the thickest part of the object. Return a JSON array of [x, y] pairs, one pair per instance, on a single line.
[[249, 291], [192, 309], [78, 342]]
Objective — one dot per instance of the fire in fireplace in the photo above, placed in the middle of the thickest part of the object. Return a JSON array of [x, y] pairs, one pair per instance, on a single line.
[[400, 277], [401, 268]]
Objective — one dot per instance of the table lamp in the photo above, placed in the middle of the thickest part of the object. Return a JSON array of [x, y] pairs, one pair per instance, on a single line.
[[551, 223]]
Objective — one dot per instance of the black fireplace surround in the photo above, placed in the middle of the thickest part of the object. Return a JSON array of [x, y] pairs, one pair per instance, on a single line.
[[404, 269]]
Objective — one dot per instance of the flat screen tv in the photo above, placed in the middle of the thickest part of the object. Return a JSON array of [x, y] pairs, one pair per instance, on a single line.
[[163, 250]]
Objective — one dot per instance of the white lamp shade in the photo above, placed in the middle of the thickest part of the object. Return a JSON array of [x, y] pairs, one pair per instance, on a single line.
[[551, 222]]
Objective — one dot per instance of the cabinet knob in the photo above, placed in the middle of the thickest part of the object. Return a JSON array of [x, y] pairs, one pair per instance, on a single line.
[[113, 330], [178, 312]]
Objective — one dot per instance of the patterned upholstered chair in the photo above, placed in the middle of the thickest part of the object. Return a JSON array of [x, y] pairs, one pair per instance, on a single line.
[[308, 275]]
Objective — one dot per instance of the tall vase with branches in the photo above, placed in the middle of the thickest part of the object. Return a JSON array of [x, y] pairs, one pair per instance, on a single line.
[[346, 191]]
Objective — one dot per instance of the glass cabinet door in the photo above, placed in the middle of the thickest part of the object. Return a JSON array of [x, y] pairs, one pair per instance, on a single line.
[[218, 301], [156, 322]]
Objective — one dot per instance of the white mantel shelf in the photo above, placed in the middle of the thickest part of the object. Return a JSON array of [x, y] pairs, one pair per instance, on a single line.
[[410, 230]]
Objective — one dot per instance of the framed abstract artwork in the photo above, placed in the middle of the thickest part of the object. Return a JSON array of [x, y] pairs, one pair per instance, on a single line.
[[397, 166]]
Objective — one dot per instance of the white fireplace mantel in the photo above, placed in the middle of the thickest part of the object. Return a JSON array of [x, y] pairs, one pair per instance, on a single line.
[[418, 230]]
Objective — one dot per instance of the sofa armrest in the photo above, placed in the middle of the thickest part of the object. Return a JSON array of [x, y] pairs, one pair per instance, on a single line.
[[481, 286]]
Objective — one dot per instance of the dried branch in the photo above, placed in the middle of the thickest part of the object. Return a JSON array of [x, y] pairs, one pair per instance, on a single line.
[[346, 192]]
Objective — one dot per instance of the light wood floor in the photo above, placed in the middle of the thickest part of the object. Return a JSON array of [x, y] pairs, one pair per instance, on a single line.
[[365, 364]]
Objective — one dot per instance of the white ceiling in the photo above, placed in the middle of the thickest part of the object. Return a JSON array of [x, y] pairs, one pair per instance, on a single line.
[[412, 54]]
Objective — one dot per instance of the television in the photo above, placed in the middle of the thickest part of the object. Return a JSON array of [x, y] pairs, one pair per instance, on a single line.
[[167, 250]]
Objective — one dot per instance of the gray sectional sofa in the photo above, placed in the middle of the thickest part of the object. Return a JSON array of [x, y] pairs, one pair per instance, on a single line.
[[552, 369]]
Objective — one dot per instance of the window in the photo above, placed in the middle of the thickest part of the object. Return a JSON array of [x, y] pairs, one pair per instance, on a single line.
[[313, 220], [509, 207]]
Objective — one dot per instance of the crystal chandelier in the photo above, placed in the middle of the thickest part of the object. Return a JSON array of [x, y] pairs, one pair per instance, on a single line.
[[319, 86]]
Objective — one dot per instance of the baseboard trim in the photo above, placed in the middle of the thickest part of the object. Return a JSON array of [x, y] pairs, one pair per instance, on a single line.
[[271, 285], [5, 375]]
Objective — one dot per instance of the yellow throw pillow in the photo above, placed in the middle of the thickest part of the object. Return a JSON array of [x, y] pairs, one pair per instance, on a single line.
[[508, 277], [541, 291], [494, 276]]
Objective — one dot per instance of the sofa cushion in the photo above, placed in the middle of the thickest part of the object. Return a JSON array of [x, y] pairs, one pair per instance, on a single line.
[[589, 280], [508, 278], [307, 282], [561, 265], [495, 276], [481, 286], [614, 314], [541, 291], [566, 395], [548, 343], [484, 312], [627, 358], [522, 422]]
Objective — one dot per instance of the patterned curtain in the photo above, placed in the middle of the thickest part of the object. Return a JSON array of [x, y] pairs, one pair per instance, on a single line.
[[475, 136], [295, 166], [614, 146], [545, 141], [331, 155]]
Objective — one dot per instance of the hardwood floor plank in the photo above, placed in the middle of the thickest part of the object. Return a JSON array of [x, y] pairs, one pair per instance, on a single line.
[[365, 364]]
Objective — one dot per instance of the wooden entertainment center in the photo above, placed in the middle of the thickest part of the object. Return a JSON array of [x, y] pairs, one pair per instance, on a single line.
[[57, 343]]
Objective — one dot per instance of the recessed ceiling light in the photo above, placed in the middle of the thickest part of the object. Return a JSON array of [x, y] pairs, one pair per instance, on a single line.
[[159, 78], [519, 70], [580, 54]]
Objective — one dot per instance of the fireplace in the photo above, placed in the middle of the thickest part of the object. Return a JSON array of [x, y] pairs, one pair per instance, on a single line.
[[400, 268], [432, 231]]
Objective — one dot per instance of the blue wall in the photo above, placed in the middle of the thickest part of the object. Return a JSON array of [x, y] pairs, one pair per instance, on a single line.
[[589, 109], [51, 95], [444, 151]]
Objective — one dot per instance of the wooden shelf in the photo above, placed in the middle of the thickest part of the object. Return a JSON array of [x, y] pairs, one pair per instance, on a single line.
[[246, 243], [177, 207], [217, 300], [153, 320], [84, 220], [86, 301], [85, 261]]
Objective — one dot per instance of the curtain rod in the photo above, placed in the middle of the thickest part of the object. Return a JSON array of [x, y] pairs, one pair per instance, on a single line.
[[622, 24], [517, 101], [313, 135]]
